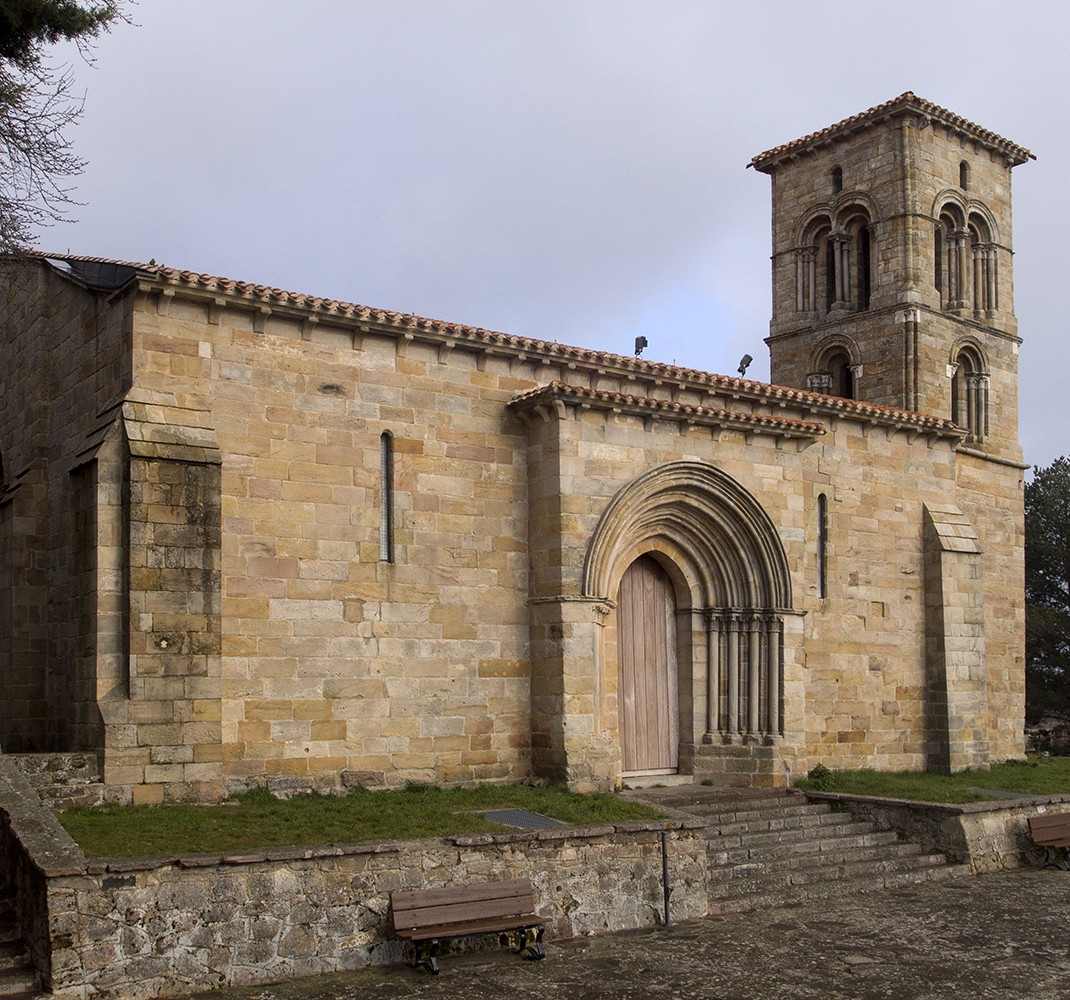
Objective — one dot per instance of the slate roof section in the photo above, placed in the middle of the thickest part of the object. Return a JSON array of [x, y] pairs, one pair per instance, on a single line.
[[905, 103]]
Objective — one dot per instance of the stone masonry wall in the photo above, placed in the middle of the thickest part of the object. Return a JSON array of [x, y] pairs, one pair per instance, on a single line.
[[854, 676], [988, 836], [142, 929], [336, 664], [65, 368]]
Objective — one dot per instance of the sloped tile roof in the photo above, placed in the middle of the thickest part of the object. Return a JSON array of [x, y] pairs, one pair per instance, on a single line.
[[902, 104], [676, 410], [208, 285]]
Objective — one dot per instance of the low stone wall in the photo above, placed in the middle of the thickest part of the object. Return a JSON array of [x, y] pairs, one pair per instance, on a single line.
[[155, 927], [33, 848], [166, 926], [988, 836]]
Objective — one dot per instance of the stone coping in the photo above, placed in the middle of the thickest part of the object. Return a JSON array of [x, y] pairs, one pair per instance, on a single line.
[[48, 846], [272, 855], [951, 808], [54, 852]]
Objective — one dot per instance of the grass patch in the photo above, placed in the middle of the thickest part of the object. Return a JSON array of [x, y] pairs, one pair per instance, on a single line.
[[257, 819], [1033, 776]]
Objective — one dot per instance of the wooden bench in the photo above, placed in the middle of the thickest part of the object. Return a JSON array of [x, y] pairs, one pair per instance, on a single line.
[[1052, 832], [434, 915]]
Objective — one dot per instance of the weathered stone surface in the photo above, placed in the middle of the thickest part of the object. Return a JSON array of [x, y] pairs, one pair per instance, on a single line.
[[987, 938]]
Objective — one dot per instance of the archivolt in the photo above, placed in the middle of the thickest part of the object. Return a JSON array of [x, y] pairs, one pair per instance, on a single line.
[[703, 520]]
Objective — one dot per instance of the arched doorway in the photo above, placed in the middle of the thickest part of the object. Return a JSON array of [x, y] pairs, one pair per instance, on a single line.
[[648, 685], [716, 570]]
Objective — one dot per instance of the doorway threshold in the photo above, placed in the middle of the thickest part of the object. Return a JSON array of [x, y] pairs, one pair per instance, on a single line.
[[653, 780]]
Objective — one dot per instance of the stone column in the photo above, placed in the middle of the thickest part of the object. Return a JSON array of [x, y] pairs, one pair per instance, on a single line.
[[754, 651], [713, 667], [991, 297], [733, 625], [961, 239], [772, 725]]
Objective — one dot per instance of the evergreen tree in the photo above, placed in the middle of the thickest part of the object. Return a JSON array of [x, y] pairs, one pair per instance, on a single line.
[[36, 105], [1047, 592]]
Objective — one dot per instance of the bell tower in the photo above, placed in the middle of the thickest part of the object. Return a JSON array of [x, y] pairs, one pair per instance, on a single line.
[[892, 267]]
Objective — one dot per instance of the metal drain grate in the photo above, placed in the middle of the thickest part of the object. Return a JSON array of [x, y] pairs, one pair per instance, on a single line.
[[523, 819]]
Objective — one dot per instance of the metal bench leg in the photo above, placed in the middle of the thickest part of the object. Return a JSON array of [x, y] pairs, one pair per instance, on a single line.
[[431, 961], [534, 950]]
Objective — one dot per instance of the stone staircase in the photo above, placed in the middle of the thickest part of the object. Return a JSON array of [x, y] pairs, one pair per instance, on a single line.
[[63, 780], [769, 849], [17, 977]]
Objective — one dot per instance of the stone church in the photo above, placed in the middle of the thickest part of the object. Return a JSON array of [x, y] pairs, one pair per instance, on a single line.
[[252, 536]]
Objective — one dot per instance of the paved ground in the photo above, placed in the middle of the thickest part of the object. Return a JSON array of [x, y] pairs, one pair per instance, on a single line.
[[1005, 935]]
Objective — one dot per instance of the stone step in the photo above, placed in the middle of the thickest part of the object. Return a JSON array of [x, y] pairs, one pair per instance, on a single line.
[[19, 984], [17, 977], [788, 838], [700, 802], [13, 955], [757, 811], [836, 887], [764, 882], [790, 821], [64, 796], [861, 835], [792, 862]]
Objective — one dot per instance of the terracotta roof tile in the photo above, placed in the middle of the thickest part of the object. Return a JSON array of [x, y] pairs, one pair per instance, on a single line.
[[685, 411], [490, 339], [903, 103]]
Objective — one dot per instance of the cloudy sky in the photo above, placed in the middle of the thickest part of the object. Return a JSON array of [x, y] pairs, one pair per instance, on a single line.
[[572, 170]]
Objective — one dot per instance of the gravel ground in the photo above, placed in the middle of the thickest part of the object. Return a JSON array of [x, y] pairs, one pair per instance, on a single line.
[[1005, 935]]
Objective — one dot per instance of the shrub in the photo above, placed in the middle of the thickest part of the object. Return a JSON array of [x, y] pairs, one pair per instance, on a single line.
[[822, 778]]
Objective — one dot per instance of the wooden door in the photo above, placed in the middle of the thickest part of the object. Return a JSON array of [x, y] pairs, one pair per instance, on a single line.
[[646, 655]]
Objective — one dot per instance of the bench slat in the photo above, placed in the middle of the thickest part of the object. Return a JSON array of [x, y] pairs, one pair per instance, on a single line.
[[460, 893], [495, 901], [500, 909], [1050, 829], [472, 927]]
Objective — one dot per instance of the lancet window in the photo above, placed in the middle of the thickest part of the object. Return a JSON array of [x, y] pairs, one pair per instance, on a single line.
[[386, 497], [833, 266], [970, 393], [949, 255], [822, 545], [983, 261], [836, 374]]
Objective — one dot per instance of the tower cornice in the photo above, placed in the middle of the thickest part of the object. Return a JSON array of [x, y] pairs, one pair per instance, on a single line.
[[906, 104]]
